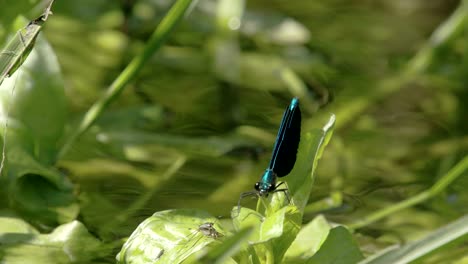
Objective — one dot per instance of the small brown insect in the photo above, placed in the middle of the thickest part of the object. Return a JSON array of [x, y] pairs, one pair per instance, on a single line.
[[208, 229]]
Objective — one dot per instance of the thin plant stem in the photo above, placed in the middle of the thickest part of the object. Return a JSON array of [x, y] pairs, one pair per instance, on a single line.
[[437, 188], [158, 37]]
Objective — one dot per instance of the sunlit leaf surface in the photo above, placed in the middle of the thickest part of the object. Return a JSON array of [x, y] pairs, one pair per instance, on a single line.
[[168, 237]]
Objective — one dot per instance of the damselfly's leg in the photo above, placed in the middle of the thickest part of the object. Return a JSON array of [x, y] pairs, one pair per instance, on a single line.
[[242, 196], [285, 191]]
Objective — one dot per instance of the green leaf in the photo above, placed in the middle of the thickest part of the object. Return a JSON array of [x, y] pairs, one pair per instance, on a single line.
[[309, 240], [68, 243], [39, 193], [168, 236], [338, 248], [273, 234], [266, 227], [419, 248], [33, 103], [221, 253], [19, 47], [15, 225]]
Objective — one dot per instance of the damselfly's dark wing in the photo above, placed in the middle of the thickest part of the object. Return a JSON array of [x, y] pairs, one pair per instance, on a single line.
[[287, 141]]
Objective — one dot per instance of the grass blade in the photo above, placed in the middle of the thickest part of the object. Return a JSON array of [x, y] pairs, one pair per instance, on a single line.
[[19, 47]]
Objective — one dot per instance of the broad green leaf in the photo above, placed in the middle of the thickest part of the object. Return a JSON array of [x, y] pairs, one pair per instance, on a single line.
[[419, 248], [272, 234], [168, 236], [248, 218], [309, 240], [15, 225], [266, 227], [68, 243], [221, 253], [34, 105], [289, 228], [39, 193], [338, 248]]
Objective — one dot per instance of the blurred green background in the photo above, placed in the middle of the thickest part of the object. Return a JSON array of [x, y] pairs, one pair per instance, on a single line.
[[196, 127]]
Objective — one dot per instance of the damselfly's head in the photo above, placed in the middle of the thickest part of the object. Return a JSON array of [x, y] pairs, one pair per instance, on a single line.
[[264, 188], [266, 184]]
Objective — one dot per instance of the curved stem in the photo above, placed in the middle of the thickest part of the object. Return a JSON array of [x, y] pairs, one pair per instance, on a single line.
[[158, 37], [437, 188]]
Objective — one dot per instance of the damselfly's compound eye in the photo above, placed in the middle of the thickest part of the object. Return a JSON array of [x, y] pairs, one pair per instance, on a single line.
[[257, 186]]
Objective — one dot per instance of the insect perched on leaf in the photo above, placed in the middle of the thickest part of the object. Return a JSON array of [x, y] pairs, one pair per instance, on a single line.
[[208, 230], [170, 236], [284, 154]]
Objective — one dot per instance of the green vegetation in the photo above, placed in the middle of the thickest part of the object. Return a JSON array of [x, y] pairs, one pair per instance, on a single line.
[[129, 129]]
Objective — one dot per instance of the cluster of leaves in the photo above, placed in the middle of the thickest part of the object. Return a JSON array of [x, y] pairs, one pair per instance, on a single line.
[[148, 152], [273, 231]]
